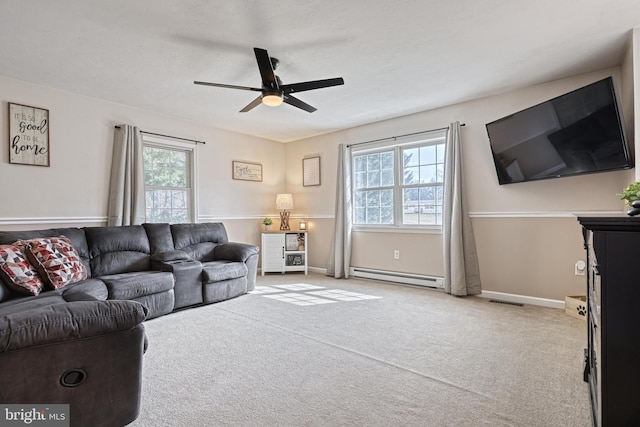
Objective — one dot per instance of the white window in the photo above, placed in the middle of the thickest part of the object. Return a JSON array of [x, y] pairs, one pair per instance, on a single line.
[[169, 178], [400, 183]]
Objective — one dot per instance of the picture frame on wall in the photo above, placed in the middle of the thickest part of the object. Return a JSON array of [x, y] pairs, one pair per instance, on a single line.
[[311, 171], [28, 135], [246, 171]]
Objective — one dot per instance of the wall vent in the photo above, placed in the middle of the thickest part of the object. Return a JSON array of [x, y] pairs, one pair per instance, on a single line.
[[397, 277]]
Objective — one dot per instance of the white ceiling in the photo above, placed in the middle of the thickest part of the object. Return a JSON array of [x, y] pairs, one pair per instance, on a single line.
[[396, 57]]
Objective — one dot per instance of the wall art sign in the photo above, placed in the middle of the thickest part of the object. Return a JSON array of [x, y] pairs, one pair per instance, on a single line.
[[247, 171], [311, 171], [28, 135]]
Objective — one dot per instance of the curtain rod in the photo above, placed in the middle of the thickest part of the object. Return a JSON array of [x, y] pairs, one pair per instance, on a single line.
[[169, 136], [400, 136]]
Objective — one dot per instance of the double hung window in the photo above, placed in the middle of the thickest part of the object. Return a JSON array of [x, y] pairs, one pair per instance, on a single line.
[[169, 171], [399, 184]]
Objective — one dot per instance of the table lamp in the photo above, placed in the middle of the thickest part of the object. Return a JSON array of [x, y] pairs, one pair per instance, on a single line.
[[284, 202]]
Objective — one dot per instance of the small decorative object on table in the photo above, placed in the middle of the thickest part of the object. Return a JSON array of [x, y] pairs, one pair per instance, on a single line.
[[267, 223], [631, 195]]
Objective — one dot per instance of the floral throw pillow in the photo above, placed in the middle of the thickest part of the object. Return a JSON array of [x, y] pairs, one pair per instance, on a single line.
[[16, 271], [57, 261]]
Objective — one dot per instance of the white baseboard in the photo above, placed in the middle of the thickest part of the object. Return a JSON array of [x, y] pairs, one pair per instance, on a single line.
[[522, 299]]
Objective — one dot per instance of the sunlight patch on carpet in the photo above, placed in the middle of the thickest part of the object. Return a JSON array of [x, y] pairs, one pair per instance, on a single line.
[[298, 287], [342, 295], [299, 299], [309, 294]]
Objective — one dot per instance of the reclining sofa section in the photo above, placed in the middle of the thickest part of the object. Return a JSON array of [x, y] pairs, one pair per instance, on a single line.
[[83, 342], [164, 267]]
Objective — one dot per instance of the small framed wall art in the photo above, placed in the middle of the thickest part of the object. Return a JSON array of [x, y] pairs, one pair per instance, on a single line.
[[28, 135], [247, 171], [311, 171]]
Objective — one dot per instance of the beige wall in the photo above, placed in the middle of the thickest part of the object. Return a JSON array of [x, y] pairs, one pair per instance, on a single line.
[[527, 235], [73, 190]]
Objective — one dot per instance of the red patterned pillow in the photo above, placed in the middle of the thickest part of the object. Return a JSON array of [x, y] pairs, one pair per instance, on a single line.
[[57, 261], [16, 271]]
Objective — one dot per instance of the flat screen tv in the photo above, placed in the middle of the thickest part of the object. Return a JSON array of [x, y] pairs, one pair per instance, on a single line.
[[576, 133]]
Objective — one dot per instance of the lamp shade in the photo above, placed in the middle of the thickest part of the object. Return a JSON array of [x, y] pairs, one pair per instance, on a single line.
[[284, 201]]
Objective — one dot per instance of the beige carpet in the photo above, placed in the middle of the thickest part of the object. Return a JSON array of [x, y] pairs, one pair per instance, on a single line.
[[363, 353]]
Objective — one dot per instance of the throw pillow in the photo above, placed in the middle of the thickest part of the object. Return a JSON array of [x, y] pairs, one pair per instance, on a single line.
[[16, 271], [57, 261]]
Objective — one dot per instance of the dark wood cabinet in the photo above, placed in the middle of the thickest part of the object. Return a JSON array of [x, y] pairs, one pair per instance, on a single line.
[[612, 356]]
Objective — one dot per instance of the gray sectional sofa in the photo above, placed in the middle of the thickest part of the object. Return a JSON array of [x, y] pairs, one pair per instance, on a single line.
[[82, 344]]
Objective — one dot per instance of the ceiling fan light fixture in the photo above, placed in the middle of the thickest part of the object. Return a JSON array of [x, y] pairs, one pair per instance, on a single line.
[[272, 99]]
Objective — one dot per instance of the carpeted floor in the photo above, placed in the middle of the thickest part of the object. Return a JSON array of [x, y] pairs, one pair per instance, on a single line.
[[314, 351]]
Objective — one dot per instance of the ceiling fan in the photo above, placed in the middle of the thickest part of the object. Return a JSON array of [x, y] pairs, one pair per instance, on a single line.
[[273, 92]]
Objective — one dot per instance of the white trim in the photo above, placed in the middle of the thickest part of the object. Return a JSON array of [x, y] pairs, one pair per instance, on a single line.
[[522, 299], [214, 218], [58, 220], [397, 230], [543, 214]]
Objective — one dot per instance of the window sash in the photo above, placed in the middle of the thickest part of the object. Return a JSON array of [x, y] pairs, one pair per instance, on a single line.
[[175, 201], [427, 214]]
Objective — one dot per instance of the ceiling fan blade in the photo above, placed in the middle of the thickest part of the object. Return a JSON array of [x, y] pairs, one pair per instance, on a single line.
[[266, 68], [255, 89], [315, 84], [297, 103], [253, 104]]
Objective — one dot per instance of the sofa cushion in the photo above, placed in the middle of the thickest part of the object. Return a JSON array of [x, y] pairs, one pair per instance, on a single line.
[[158, 304], [160, 239], [86, 290], [117, 250], [134, 285], [199, 240], [216, 271], [19, 305], [56, 260], [17, 272]]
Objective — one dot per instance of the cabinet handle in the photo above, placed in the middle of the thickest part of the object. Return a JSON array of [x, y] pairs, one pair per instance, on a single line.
[[283, 252]]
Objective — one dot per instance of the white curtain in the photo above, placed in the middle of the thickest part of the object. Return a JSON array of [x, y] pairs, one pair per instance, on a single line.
[[126, 204], [340, 251], [461, 268]]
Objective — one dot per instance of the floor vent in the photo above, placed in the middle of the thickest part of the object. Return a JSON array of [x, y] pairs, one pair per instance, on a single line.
[[517, 304]]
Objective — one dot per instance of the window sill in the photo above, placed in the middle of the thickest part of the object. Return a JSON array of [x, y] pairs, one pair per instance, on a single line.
[[434, 229]]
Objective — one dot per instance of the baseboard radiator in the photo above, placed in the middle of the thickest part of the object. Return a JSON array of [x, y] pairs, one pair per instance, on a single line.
[[394, 276]]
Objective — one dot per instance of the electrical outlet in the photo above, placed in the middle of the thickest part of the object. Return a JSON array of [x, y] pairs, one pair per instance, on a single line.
[[580, 268], [396, 254]]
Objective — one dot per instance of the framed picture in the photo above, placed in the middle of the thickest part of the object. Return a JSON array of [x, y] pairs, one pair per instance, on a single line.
[[28, 135], [311, 171], [247, 171], [291, 242]]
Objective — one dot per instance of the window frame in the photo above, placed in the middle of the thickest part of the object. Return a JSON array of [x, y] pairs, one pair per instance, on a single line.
[[397, 145], [168, 143]]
